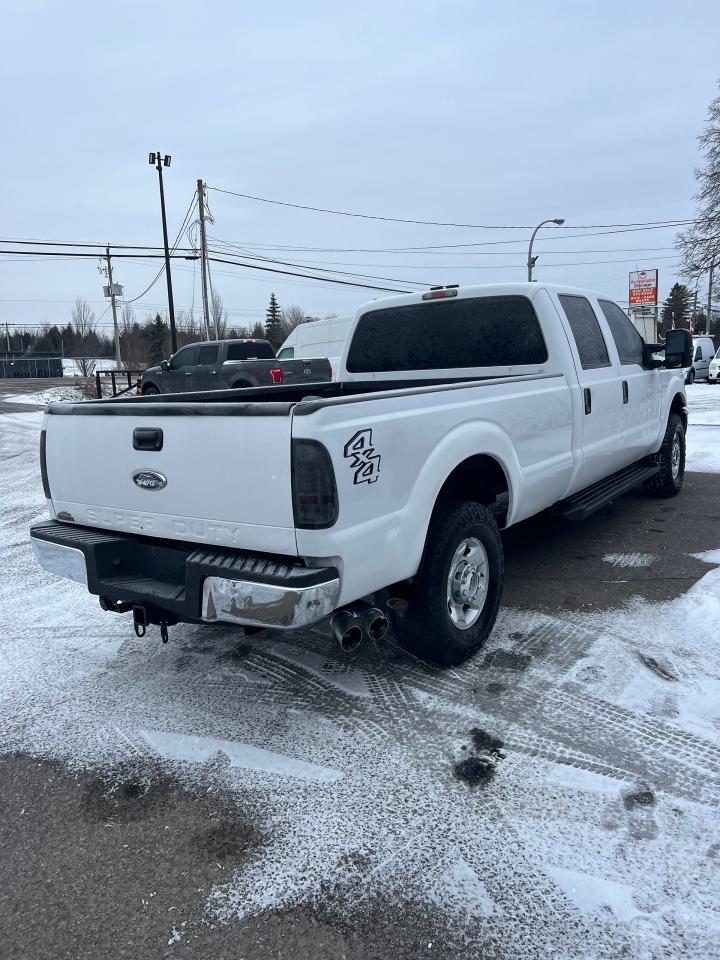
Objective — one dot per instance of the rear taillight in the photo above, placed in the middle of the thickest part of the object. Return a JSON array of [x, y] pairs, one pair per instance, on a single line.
[[314, 493], [276, 374], [43, 466]]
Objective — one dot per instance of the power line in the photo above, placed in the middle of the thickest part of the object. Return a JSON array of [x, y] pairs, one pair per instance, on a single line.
[[307, 276], [440, 223], [250, 246], [348, 273], [174, 247], [70, 243]]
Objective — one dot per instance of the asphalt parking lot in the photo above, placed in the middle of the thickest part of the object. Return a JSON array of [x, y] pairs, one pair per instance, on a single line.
[[263, 797]]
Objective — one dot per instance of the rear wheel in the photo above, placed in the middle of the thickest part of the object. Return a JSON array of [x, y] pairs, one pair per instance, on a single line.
[[668, 482], [690, 378], [454, 599], [149, 390]]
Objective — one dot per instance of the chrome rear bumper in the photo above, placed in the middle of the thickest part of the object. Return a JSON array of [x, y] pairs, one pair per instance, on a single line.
[[267, 605], [176, 581]]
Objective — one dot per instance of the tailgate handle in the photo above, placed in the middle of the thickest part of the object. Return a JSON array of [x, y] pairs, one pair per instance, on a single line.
[[147, 438]]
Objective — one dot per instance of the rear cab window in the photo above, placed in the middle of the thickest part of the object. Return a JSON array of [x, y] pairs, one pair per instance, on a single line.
[[586, 331], [250, 350], [448, 334]]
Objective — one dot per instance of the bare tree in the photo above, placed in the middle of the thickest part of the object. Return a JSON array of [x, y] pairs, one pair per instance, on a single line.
[[189, 330], [699, 244], [292, 316], [218, 315], [133, 345], [84, 336]]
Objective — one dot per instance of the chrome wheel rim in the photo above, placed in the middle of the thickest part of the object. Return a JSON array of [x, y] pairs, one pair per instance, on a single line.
[[467, 583], [675, 455]]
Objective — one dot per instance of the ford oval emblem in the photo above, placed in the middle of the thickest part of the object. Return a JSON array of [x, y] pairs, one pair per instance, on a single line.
[[149, 480]]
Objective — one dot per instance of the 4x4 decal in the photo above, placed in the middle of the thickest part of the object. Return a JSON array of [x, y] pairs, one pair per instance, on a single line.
[[364, 461]]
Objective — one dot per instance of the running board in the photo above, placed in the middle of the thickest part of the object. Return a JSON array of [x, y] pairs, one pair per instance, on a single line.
[[585, 503]]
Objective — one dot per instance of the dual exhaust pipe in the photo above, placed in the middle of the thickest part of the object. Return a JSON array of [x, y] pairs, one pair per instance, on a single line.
[[357, 622]]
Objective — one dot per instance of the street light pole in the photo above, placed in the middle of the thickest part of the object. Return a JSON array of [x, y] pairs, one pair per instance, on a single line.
[[158, 161], [559, 221]]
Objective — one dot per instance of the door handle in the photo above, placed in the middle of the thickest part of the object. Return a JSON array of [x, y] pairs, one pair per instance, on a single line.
[[626, 395], [587, 397], [147, 438]]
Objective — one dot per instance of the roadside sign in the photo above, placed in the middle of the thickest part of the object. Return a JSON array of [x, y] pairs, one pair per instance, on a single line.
[[643, 287]]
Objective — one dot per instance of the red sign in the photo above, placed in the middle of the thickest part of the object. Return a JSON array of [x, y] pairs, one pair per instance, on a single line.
[[643, 287]]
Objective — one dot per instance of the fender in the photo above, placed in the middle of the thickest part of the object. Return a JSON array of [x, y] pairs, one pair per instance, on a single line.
[[389, 548], [465, 441]]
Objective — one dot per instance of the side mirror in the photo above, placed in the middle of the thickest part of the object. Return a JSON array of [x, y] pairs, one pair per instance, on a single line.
[[678, 349], [165, 365], [652, 356]]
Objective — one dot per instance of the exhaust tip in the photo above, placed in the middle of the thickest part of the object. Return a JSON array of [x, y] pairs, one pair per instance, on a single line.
[[347, 629], [375, 623]]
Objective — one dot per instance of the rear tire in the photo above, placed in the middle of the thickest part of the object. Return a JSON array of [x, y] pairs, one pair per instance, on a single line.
[[150, 390], [690, 378], [455, 597], [668, 483]]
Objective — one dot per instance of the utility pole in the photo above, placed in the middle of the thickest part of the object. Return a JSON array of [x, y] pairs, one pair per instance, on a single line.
[[7, 335], [116, 331], [203, 258], [158, 161], [709, 300]]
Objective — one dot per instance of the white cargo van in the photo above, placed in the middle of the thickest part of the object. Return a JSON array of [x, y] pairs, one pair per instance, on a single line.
[[703, 353], [317, 338]]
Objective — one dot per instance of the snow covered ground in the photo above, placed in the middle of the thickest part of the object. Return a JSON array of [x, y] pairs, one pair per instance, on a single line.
[[590, 831], [50, 395]]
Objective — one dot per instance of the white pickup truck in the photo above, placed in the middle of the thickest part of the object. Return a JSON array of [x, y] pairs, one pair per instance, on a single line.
[[380, 497]]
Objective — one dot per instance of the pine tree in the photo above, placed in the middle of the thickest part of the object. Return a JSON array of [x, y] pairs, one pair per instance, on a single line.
[[155, 332], [273, 323], [258, 331], [678, 302]]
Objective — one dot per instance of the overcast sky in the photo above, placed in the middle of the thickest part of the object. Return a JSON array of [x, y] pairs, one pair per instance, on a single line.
[[455, 111]]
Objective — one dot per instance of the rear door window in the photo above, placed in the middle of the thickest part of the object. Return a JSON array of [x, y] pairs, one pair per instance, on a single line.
[[628, 341], [590, 342], [287, 353], [446, 334], [208, 355]]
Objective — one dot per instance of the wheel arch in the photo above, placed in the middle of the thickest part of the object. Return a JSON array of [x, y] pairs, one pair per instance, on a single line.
[[481, 478], [679, 406], [149, 385]]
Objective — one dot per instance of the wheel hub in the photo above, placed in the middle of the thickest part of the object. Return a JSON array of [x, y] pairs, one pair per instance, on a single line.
[[675, 456], [467, 583]]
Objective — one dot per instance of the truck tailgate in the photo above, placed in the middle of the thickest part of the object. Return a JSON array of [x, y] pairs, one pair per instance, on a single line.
[[222, 477]]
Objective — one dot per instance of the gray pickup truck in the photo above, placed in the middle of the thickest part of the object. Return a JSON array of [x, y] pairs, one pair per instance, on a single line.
[[224, 364]]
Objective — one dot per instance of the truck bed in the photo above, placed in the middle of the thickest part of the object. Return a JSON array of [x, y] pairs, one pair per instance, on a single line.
[[268, 401]]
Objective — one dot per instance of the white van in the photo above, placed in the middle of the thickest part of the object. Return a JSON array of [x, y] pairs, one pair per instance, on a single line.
[[714, 369], [317, 338], [703, 353]]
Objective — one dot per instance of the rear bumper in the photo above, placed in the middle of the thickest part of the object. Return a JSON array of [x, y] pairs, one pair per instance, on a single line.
[[176, 581]]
